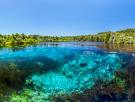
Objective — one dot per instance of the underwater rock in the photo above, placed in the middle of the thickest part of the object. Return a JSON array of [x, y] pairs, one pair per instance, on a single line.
[[120, 89], [78, 74]]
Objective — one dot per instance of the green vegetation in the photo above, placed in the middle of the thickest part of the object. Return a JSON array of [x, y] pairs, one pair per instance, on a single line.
[[12, 79], [119, 37], [17, 39]]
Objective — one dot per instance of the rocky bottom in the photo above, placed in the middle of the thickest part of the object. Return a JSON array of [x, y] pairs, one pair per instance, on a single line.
[[75, 76]]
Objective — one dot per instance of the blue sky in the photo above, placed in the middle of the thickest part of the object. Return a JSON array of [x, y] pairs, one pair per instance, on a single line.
[[65, 17]]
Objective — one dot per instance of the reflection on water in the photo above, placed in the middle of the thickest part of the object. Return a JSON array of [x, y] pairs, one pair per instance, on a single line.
[[117, 47], [45, 72]]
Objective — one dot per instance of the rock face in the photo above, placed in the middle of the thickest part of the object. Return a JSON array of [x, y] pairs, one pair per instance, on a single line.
[[78, 74]]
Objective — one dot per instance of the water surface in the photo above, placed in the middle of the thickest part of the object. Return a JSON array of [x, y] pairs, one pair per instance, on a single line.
[[61, 68]]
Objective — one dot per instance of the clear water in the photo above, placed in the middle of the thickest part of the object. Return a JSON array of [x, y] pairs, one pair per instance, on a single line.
[[57, 68]]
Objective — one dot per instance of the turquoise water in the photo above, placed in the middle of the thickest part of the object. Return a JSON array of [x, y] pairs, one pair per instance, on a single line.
[[60, 68]]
